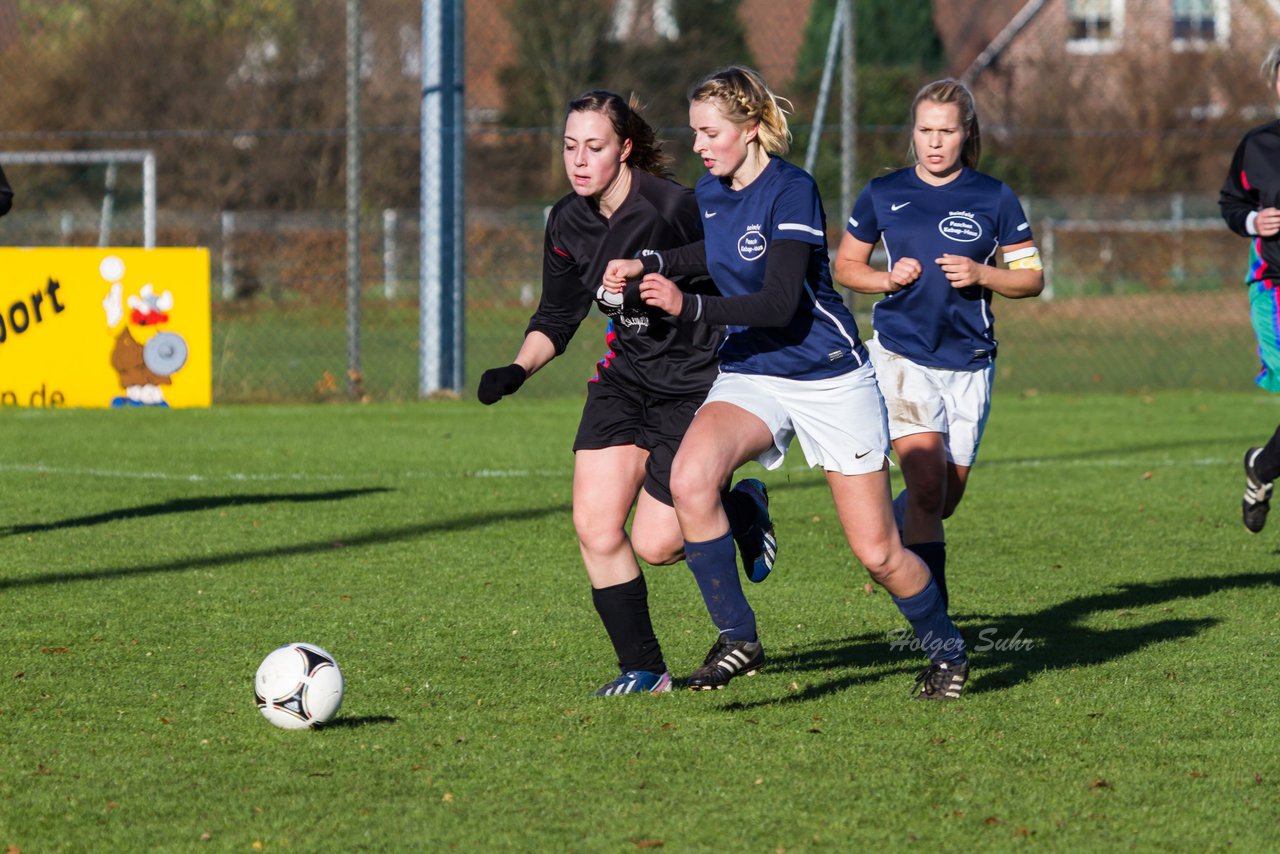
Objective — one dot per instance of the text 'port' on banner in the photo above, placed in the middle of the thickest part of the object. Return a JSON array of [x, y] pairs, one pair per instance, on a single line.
[[111, 327]]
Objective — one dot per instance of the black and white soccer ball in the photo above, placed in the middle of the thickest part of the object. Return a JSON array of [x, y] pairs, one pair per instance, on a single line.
[[298, 686]]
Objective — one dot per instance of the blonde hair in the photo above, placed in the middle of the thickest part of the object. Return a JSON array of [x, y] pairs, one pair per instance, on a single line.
[[744, 98], [950, 91], [1271, 65]]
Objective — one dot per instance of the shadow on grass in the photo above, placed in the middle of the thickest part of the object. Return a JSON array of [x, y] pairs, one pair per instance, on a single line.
[[379, 537], [366, 720], [188, 505], [1010, 649]]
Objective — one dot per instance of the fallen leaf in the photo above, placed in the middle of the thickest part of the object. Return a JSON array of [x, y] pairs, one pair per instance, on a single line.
[[448, 797], [1099, 783], [991, 821]]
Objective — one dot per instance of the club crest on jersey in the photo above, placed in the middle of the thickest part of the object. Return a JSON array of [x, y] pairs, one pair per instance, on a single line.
[[751, 245], [960, 226]]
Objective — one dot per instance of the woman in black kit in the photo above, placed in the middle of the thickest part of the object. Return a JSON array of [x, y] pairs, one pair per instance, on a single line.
[[647, 387]]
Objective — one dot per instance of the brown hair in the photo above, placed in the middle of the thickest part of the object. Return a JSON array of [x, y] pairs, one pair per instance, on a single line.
[[950, 91], [743, 97], [624, 116], [1271, 65]]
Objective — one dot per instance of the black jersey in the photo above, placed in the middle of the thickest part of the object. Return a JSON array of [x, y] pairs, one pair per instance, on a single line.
[[645, 346], [1253, 183]]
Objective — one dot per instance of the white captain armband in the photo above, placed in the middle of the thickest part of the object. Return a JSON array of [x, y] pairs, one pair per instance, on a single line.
[[1023, 259]]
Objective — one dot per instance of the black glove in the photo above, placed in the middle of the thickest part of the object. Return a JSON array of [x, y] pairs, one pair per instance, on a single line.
[[496, 383]]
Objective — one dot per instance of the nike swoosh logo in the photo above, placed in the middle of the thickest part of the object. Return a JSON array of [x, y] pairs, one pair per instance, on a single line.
[[901, 205], [709, 214], [861, 455]]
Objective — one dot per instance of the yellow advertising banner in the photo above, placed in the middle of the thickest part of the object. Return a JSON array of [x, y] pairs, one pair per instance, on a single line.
[[105, 328]]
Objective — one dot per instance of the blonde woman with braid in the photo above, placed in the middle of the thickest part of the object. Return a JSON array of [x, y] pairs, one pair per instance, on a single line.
[[792, 367]]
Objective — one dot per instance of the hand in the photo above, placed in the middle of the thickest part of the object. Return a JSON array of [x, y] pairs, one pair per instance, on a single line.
[[961, 271], [1267, 222], [618, 271], [660, 292], [496, 383], [905, 272]]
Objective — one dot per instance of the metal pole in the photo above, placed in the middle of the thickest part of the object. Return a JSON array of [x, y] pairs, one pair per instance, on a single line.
[[390, 263], [848, 106], [824, 91], [354, 378], [108, 206], [228, 256], [441, 286], [149, 200]]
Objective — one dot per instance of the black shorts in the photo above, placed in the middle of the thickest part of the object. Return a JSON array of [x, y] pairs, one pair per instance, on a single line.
[[616, 414]]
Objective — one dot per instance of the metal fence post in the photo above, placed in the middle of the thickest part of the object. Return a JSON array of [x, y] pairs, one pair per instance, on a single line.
[[354, 379], [390, 251], [441, 286], [228, 222]]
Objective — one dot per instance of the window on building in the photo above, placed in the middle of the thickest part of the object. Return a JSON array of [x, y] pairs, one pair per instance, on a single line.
[[1094, 24], [1200, 21]]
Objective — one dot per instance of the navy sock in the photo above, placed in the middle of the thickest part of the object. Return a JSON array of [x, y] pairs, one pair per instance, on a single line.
[[900, 510], [624, 610], [1267, 465], [715, 567], [939, 636], [934, 556], [740, 509]]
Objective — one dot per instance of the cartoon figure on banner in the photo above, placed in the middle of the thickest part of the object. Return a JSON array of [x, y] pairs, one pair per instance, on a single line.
[[143, 367]]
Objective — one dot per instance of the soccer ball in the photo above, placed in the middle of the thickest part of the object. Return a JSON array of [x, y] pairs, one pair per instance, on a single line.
[[298, 686]]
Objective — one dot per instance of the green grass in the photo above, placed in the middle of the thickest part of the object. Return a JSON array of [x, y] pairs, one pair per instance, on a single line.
[[152, 558]]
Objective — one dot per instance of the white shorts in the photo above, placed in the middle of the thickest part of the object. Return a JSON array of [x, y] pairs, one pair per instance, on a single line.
[[840, 421], [920, 399]]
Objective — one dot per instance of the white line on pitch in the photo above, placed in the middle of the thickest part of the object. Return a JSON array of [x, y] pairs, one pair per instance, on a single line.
[[40, 468]]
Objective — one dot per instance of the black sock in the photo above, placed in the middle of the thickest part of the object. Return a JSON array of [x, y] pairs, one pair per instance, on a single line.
[[934, 556], [1267, 464], [624, 610]]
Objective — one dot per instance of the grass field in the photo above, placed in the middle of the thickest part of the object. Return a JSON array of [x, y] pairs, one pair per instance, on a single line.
[[152, 558]]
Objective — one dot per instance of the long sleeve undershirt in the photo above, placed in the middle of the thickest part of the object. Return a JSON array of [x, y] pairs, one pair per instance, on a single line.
[[774, 305]]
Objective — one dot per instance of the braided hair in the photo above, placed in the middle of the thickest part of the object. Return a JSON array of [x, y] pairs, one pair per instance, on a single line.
[[744, 98]]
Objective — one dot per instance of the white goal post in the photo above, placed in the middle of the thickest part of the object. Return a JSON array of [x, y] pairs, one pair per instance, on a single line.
[[111, 158]]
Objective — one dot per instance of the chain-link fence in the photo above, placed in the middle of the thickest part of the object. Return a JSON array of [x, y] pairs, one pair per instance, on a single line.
[[242, 103]]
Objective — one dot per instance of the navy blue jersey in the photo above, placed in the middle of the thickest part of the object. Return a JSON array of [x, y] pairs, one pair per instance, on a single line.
[[930, 322], [782, 203]]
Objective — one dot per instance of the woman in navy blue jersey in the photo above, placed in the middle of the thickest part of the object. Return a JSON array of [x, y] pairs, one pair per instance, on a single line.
[[792, 366], [943, 224], [1250, 204], [646, 388]]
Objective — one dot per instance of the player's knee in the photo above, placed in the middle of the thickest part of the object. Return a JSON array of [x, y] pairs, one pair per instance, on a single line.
[[877, 556], [658, 552], [596, 536], [928, 497], [693, 487]]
